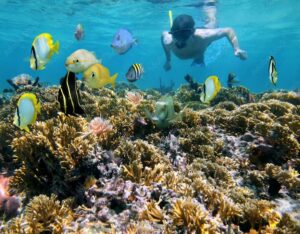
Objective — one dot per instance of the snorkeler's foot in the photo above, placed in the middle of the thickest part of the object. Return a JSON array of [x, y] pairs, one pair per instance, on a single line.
[[196, 63], [241, 54], [167, 66]]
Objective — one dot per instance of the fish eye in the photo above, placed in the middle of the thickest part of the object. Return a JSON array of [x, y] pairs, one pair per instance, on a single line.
[[93, 74], [76, 61]]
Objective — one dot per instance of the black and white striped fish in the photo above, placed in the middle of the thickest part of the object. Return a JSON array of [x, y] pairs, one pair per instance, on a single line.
[[135, 72], [273, 75], [68, 96]]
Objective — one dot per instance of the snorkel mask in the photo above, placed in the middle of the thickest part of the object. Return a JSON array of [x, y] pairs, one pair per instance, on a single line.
[[182, 29]]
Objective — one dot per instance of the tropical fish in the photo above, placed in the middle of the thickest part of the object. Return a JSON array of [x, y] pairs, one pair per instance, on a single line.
[[273, 75], [42, 50], [68, 95], [97, 76], [123, 41], [23, 80], [135, 72], [164, 113], [231, 80], [79, 32], [28, 107], [193, 84], [81, 60], [210, 89]]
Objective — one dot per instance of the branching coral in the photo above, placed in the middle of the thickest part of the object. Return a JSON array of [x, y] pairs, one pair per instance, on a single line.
[[199, 142], [142, 162], [51, 157], [43, 215], [152, 213], [191, 217]]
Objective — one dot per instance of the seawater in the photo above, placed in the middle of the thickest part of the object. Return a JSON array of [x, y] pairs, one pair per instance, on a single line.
[[263, 27]]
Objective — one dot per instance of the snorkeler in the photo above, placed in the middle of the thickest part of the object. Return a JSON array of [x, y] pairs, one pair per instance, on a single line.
[[188, 42]]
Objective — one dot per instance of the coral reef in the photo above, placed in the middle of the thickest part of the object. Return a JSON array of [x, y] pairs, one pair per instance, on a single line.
[[155, 164]]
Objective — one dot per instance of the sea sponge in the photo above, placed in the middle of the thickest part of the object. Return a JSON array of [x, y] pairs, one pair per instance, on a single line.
[[52, 158]]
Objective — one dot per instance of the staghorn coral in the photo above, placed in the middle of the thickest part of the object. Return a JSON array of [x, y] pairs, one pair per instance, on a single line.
[[142, 162], [51, 158], [288, 178], [191, 217], [152, 213], [43, 215]]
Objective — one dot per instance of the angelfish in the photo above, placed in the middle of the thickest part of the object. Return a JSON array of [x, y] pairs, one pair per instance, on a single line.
[[68, 95], [273, 75], [210, 89]]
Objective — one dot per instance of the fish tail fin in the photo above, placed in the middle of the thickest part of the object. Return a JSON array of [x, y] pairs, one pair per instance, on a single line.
[[113, 80], [56, 47], [25, 128]]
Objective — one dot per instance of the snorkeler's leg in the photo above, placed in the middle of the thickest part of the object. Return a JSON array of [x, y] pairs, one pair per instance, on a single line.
[[166, 40], [199, 61], [209, 13]]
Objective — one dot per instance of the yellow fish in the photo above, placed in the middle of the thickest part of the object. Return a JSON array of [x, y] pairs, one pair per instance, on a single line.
[[97, 76], [42, 50], [210, 89], [28, 107]]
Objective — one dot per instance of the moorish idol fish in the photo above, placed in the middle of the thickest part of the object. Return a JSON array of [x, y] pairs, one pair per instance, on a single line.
[[135, 72], [28, 107], [42, 50], [273, 75], [210, 89], [68, 95]]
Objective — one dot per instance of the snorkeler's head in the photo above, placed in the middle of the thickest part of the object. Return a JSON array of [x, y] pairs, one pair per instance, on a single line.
[[183, 28]]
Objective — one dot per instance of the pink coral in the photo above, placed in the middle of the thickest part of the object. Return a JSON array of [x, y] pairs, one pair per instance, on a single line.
[[99, 126], [134, 97]]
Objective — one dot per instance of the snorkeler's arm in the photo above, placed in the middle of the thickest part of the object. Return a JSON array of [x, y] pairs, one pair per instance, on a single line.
[[166, 40], [218, 33]]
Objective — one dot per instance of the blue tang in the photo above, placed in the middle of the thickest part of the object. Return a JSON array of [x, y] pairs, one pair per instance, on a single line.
[[123, 41]]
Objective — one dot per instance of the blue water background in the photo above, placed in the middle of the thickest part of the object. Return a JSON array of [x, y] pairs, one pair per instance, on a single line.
[[263, 27]]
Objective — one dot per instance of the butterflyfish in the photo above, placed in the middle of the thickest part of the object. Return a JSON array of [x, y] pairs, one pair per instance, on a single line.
[[28, 107], [273, 75], [210, 89], [42, 50]]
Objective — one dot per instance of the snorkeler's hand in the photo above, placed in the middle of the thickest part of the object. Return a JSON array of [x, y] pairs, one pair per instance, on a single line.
[[241, 54], [167, 66]]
